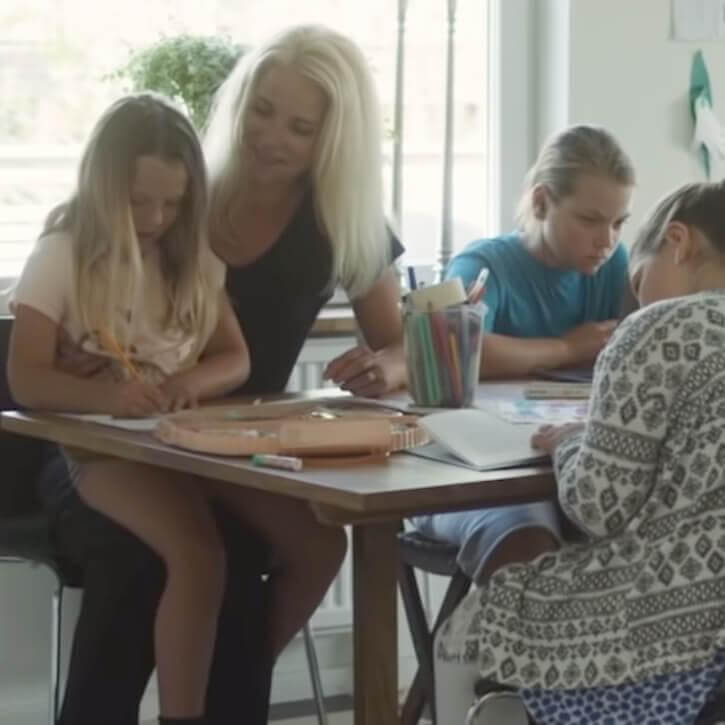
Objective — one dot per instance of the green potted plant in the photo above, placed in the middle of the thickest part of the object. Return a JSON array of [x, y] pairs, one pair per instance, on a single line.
[[186, 68]]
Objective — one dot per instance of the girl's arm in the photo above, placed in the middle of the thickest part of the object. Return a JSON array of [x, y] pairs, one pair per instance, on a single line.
[[378, 366], [607, 472], [510, 357], [35, 382], [223, 367]]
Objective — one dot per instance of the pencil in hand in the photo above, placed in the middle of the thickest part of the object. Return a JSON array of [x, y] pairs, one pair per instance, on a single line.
[[110, 344]]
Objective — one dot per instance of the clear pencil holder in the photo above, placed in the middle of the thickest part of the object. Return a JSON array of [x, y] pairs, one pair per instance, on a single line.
[[443, 354]]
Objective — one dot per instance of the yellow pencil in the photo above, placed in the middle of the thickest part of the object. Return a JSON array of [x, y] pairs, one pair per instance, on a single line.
[[109, 343], [457, 377]]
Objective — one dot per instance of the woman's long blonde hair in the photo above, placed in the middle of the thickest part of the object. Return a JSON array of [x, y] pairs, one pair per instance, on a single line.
[[107, 263], [346, 176]]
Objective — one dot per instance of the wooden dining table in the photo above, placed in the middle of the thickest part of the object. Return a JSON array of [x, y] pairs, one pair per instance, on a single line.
[[371, 498]]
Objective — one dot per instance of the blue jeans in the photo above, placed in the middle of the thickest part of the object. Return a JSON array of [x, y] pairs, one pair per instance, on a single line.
[[477, 533]]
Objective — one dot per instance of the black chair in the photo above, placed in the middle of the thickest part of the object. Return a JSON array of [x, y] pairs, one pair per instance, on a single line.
[[26, 537], [434, 557], [24, 527]]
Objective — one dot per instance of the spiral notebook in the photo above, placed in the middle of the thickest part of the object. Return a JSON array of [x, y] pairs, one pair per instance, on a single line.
[[478, 439]]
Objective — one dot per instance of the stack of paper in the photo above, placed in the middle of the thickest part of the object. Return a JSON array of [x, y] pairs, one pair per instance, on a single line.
[[137, 424]]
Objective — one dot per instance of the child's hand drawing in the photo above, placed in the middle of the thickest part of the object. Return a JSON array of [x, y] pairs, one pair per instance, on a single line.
[[179, 394], [548, 437], [134, 399]]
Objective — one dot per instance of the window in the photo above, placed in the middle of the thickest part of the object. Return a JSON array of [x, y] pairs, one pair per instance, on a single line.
[[56, 57]]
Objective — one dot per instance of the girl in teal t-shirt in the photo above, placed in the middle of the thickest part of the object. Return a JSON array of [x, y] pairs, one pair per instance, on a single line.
[[554, 292]]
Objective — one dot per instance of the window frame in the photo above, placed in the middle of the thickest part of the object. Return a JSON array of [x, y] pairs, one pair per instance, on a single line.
[[510, 144]]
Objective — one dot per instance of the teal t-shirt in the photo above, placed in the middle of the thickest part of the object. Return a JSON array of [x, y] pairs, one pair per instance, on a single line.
[[527, 298]]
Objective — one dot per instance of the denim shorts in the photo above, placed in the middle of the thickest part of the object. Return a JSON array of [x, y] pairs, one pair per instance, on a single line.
[[477, 533]]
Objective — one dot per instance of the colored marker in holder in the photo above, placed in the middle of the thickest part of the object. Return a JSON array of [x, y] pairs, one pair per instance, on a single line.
[[443, 353]]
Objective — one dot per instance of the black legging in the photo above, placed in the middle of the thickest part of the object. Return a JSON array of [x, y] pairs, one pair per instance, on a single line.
[[112, 656]]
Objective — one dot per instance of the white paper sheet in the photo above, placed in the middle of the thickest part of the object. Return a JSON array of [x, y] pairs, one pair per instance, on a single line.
[[543, 412], [135, 424]]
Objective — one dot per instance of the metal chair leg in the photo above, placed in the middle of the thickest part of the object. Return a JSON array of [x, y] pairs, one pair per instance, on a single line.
[[421, 689], [314, 669], [55, 653], [496, 708]]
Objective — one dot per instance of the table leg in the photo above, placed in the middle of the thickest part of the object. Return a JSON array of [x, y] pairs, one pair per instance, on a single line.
[[375, 627]]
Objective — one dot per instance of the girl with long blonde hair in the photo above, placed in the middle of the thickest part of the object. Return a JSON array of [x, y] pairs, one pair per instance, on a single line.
[[123, 270]]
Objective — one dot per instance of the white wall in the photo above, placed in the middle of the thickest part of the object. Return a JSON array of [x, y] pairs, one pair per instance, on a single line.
[[512, 94], [624, 72], [551, 67]]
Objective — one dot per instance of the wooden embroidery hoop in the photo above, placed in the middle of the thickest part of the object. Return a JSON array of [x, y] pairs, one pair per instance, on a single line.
[[323, 433]]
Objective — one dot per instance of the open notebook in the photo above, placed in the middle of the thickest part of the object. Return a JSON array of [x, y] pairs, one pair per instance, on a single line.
[[477, 439]]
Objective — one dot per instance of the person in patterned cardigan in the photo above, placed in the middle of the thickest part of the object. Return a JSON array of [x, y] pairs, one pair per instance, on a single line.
[[627, 625]]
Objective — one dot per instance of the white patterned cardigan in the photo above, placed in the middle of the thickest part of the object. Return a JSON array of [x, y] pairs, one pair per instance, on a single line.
[[645, 481]]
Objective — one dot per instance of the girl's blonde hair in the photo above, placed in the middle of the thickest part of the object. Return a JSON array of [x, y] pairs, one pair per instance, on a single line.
[[346, 174], [564, 157], [699, 205], [107, 261]]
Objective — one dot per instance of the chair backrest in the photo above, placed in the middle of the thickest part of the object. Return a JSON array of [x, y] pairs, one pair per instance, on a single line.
[[21, 458], [6, 398]]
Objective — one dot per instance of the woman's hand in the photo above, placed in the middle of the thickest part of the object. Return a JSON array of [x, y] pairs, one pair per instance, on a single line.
[[179, 394], [367, 373], [548, 437], [134, 399]]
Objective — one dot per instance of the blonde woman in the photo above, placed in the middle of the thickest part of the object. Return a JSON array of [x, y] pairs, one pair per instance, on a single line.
[[294, 153], [293, 148]]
